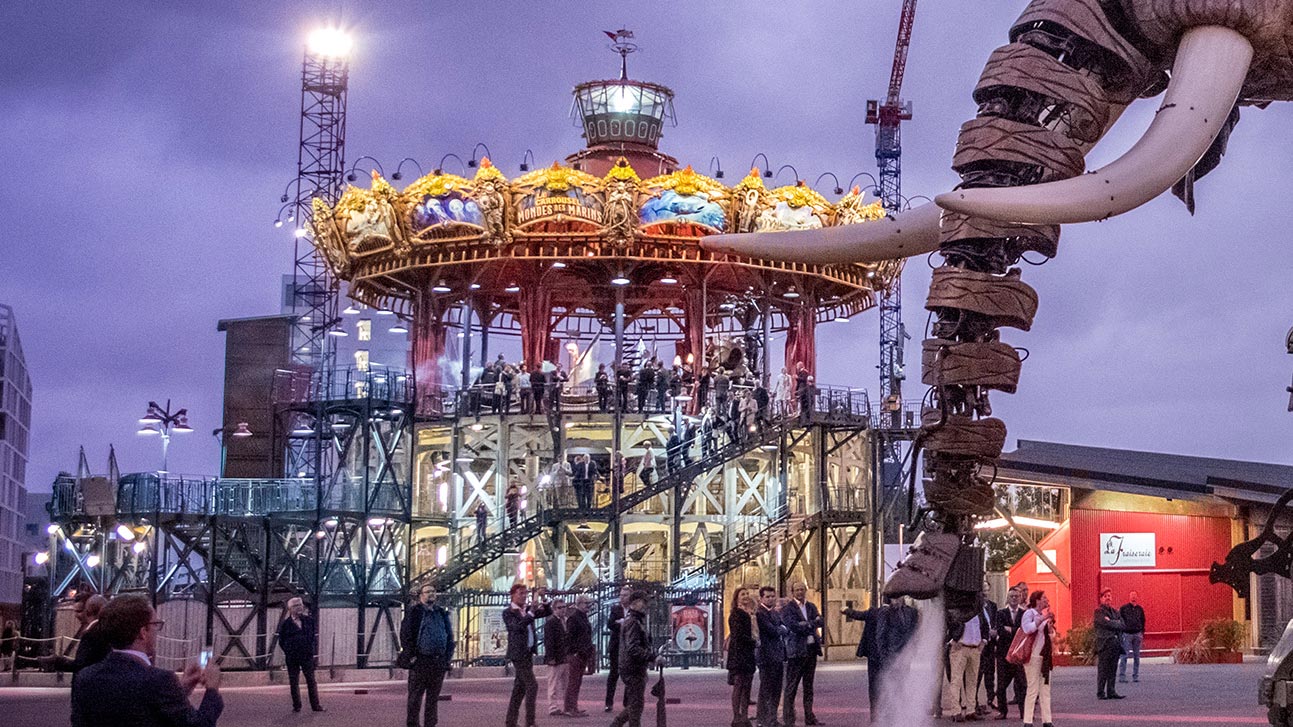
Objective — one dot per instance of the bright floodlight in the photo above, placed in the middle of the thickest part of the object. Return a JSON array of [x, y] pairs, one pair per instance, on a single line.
[[330, 42]]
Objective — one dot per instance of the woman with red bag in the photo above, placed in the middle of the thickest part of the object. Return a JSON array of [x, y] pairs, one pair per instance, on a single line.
[[1039, 623]]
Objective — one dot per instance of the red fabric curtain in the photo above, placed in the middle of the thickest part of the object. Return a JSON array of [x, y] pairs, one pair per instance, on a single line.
[[536, 325], [428, 343], [801, 340]]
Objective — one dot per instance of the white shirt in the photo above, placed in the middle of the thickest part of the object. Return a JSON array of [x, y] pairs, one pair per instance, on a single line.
[[803, 608], [972, 636], [138, 655], [1031, 625], [530, 636]]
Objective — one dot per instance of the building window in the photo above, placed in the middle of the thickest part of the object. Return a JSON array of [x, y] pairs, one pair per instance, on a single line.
[[361, 359], [365, 329]]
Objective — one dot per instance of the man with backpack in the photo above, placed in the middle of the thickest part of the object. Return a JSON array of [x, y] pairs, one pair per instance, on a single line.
[[426, 649]]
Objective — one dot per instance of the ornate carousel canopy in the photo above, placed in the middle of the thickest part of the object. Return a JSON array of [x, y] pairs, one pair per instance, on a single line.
[[570, 233]]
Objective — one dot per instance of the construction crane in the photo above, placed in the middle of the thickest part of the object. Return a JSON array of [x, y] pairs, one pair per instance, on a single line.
[[887, 117]]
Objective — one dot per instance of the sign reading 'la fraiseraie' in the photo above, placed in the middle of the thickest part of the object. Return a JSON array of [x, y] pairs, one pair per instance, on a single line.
[[1127, 550]]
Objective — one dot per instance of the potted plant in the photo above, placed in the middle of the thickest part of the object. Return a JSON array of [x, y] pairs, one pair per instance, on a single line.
[[1219, 641], [1077, 647]]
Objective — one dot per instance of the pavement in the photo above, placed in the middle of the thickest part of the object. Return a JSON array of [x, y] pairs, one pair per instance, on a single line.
[[1168, 694]]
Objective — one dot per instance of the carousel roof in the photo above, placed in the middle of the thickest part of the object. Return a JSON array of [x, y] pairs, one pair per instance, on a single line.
[[445, 235]]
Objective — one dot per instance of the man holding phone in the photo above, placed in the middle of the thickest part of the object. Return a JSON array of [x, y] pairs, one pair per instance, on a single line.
[[126, 690], [297, 637]]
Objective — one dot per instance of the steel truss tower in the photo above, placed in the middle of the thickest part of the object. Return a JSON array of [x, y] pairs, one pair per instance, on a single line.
[[320, 166]]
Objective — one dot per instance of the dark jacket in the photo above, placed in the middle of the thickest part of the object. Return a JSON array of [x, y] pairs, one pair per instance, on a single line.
[[635, 645], [583, 471], [801, 630], [579, 635], [521, 632], [991, 643], [554, 642], [92, 648], [740, 642], [1108, 629], [411, 626], [613, 623], [771, 648], [297, 642], [1133, 617], [886, 629], [123, 691], [1006, 628]]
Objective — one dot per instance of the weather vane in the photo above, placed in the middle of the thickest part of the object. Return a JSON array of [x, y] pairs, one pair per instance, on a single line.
[[622, 43]]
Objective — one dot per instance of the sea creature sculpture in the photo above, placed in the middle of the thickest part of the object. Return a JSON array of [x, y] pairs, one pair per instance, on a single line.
[[1045, 99]]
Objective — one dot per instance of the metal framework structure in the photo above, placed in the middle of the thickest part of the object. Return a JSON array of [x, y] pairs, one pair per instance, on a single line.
[[887, 116]]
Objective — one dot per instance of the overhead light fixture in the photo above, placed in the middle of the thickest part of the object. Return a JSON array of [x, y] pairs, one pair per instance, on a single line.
[[139, 547], [146, 431], [93, 561], [841, 319], [870, 273], [682, 397], [385, 312], [278, 223], [440, 287], [791, 294], [242, 430], [398, 328], [558, 265], [513, 288], [477, 426], [302, 431], [42, 558], [1029, 522], [620, 279], [300, 232], [350, 310], [125, 533], [474, 286], [338, 332], [182, 422], [52, 529], [668, 279]]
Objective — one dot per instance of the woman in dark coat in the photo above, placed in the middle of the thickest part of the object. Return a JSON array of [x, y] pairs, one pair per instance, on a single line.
[[742, 638]]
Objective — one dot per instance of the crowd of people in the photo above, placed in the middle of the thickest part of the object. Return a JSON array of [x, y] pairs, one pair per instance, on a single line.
[[981, 672], [649, 387], [997, 658]]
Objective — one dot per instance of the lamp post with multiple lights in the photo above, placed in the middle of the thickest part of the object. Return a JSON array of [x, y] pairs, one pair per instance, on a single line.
[[159, 420]]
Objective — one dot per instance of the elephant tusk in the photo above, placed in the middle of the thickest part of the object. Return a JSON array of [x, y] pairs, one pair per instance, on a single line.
[[1211, 65], [914, 232]]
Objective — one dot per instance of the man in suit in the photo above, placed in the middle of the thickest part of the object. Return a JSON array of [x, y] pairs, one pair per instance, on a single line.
[[770, 656], [613, 622], [426, 650], [93, 645], [126, 690], [803, 646], [636, 655], [522, 643], [298, 639], [988, 662], [554, 656], [1009, 620], [582, 474], [580, 652], [1108, 645], [885, 631]]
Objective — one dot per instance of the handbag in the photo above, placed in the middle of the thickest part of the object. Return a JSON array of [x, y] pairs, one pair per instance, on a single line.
[[1021, 648]]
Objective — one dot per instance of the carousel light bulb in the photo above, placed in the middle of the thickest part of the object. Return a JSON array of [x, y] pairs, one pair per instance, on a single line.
[[52, 529], [42, 558], [278, 223], [300, 232], [124, 532], [139, 547], [620, 279]]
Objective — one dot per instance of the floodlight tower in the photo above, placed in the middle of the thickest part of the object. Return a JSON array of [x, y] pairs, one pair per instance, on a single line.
[[320, 164]]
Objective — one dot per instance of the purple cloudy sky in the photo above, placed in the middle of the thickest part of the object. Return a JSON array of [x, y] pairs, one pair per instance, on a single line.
[[147, 145]]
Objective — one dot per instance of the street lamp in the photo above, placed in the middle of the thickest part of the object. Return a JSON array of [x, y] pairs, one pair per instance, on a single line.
[[160, 420], [240, 430]]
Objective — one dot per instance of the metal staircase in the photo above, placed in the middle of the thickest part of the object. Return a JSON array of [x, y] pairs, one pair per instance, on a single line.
[[781, 527], [472, 559]]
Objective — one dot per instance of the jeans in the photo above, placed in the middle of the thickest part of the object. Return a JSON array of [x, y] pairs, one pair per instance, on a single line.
[[634, 701], [1131, 644], [524, 689], [802, 669], [294, 671], [424, 679], [770, 675]]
